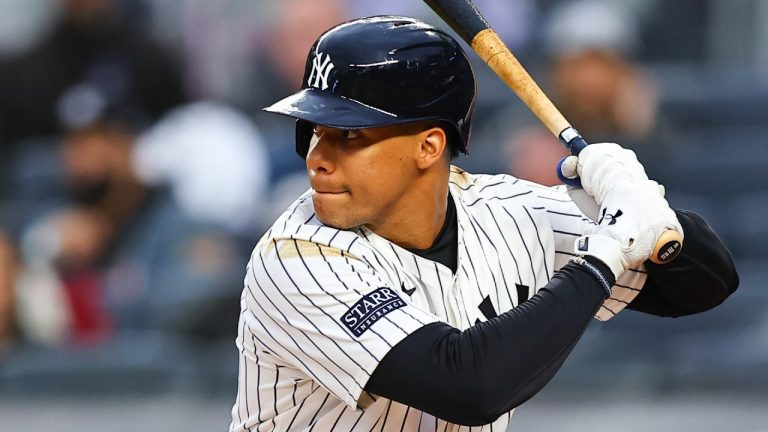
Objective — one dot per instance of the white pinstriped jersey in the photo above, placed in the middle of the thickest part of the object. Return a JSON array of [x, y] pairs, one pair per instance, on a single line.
[[321, 307]]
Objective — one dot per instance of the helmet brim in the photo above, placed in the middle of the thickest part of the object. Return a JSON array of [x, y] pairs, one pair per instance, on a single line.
[[328, 109]]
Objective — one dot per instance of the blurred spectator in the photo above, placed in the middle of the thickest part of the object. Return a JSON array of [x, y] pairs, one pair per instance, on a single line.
[[595, 82], [121, 254], [214, 161], [93, 54], [596, 85], [532, 154], [605, 95]]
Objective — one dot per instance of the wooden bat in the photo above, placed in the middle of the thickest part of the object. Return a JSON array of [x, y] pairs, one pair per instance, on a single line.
[[466, 20]]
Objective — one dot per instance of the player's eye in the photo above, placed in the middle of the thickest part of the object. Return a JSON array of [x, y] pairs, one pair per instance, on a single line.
[[317, 130], [347, 134], [351, 134]]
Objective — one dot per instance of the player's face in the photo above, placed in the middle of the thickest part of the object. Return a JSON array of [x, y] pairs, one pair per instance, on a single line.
[[363, 177]]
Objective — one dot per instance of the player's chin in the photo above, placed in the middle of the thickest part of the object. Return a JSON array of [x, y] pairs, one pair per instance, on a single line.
[[335, 220], [333, 209]]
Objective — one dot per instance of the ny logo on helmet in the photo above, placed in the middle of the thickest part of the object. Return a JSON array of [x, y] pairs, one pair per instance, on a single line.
[[321, 68]]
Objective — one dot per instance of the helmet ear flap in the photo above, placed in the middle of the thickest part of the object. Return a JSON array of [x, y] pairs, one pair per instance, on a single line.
[[304, 132]]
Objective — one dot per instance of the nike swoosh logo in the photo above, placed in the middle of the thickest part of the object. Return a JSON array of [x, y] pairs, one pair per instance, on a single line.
[[408, 291]]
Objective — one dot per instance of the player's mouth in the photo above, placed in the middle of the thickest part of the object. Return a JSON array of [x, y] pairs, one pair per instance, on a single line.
[[327, 192], [328, 189]]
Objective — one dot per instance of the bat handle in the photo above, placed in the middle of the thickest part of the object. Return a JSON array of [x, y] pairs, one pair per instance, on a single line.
[[670, 242], [571, 140]]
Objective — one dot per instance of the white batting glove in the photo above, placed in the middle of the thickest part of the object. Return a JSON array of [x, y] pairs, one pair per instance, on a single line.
[[632, 217], [601, 165], [631, 210]]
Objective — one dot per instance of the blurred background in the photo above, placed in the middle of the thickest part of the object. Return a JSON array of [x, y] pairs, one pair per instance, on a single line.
[[137, 171]]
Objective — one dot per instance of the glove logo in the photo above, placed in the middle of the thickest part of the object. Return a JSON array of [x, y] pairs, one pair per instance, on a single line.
[[321, 68], [583, 244], [611, 217]]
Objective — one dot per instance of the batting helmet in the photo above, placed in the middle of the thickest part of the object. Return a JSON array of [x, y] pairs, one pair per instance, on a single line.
[[380, 71]]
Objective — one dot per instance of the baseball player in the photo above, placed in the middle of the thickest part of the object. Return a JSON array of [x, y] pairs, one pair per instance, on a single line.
[[401, 293]]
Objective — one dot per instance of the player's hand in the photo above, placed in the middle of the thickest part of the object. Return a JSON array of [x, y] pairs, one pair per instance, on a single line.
[[601, 166], [633, 215], [632, 212], [598, 166]]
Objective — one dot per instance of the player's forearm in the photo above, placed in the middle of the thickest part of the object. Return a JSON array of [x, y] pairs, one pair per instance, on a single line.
[[473, 377], [702, 277]]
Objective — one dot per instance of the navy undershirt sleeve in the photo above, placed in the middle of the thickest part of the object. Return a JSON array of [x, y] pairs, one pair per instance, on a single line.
[[472, 377], [700, 278]]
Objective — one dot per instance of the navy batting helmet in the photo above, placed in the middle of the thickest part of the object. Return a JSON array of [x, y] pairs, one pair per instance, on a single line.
[[380, 71]]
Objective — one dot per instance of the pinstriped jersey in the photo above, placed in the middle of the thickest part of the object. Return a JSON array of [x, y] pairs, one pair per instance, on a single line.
[[321, 306]]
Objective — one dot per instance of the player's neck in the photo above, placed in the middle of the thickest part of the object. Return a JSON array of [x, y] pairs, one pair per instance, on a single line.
[[418, 218]]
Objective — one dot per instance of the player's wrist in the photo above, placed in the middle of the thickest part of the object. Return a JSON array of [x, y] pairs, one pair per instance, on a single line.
[[599, 270], [602, 248]]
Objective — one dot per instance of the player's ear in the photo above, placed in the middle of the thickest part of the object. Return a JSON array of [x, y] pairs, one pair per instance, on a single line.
[[432, 147]]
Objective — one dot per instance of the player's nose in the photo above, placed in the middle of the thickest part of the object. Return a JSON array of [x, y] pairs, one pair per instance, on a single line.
[[322, 151]]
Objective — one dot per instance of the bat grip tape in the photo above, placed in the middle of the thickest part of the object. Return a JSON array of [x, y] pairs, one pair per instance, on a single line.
[[571, 139]]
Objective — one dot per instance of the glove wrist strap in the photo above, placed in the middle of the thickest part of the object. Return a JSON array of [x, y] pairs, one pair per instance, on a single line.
[[604, 248], [591, 268]]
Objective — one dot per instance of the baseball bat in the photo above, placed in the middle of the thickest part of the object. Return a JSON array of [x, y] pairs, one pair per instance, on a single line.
[[467, 21]]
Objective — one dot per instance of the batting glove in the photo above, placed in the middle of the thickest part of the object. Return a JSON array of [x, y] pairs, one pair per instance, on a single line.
[[630, 210], [632, 216], [601, 166]]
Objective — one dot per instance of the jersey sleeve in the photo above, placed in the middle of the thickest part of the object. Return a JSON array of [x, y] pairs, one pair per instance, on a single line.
[[326, 313], [569, 223]]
